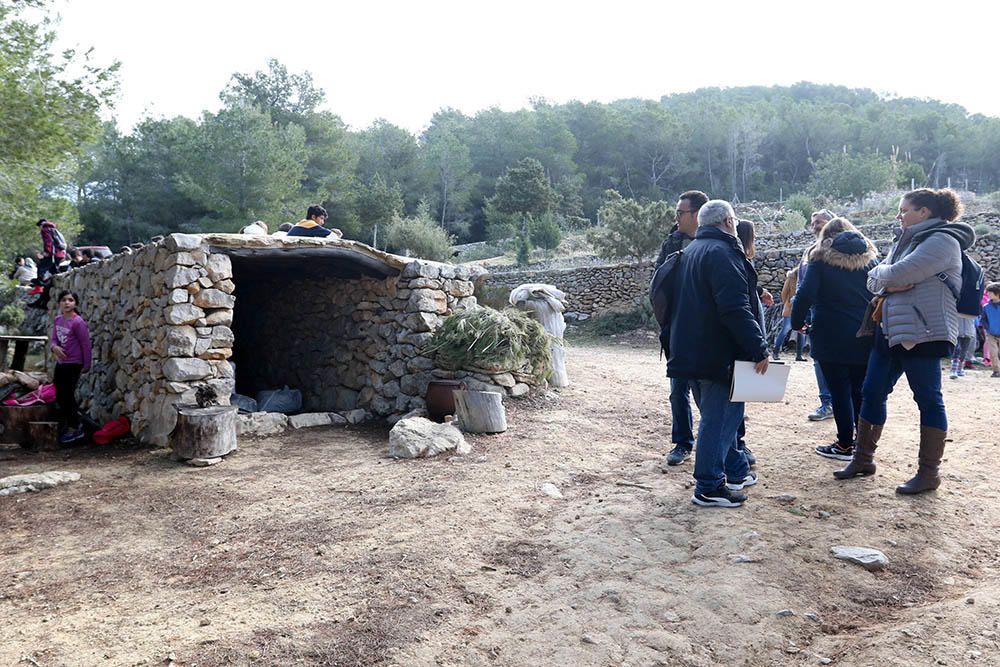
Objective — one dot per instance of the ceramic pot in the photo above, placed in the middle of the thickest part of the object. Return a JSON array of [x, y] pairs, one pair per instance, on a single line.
[[441, 399]]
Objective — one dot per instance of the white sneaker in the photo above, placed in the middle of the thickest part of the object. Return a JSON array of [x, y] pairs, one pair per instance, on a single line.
[[749, 480]]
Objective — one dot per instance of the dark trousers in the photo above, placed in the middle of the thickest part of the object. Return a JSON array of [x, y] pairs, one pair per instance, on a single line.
[[681, 421], [923, 373], [844, 382], [65, 379]]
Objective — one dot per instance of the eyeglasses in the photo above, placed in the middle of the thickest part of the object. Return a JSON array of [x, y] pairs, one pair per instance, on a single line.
[[681, 211]]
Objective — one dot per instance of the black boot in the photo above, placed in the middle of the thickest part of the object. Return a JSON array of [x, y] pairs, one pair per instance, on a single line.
[[863, 462], [931, 451]]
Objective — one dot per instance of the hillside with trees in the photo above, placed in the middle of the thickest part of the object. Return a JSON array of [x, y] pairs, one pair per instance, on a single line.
[[276, 146]]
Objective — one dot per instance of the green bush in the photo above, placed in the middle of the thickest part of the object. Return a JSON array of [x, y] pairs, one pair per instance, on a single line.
[[419, 237], [545, 232], [623, 321], [792, 221], [11, 308], [801, 204], [492, 340]]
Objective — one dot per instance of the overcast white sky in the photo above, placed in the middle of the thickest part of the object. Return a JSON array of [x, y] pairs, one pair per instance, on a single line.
[[403, 60]]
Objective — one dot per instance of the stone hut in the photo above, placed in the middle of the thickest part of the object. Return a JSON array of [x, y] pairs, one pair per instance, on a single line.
[[337, 319]]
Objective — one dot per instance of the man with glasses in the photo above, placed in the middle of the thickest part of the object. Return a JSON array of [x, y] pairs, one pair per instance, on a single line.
[[682, 422], [711, 326]]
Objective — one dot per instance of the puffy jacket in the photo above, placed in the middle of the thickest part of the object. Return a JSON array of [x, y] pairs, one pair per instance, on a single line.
[[929, 257], [835, 288], [713, 321]]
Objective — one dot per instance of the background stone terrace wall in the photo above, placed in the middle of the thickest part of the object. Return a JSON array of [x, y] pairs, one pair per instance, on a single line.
[[594, 290], [589, 290], [159, 323]]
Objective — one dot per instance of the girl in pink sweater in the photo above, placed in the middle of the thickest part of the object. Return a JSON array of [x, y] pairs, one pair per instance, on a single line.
[[71, 346]]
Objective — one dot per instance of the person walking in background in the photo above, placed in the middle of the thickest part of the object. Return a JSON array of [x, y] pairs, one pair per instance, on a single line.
[[835, 292], [918, 316], [991, 326], [825, 410], [53, 249], [682, 420], [787, 294], [70, 344], [963, 348], [711, 326]]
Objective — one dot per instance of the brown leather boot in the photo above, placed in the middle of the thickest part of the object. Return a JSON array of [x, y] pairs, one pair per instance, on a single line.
[[863, 462], [931, 451]]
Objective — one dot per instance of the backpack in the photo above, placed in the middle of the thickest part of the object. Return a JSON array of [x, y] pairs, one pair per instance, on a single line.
[[969, 298], [58, 240], [662, 294]]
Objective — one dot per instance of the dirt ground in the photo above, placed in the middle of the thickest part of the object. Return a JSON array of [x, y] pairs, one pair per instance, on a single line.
[[314, 548]]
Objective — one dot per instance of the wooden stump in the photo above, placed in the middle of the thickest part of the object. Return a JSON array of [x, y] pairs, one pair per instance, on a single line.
[[204, 433], [44, 435], [480, 411], [15, 421]]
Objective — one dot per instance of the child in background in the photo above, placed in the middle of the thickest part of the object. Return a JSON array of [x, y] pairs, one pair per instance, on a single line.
[[966, 339], [71, 346], [991, 324]]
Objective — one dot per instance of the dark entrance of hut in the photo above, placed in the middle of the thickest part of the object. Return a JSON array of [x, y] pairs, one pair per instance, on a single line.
[[302, 319]]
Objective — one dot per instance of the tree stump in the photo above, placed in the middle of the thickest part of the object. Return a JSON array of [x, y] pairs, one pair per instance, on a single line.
[[44, 435], [15, 421], [204, 433], [480, 411]]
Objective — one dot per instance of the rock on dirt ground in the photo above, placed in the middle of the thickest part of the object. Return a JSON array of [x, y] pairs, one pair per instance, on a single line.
[[313, 547]]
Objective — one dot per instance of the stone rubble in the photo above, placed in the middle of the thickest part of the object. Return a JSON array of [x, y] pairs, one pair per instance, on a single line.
[[35, 481]]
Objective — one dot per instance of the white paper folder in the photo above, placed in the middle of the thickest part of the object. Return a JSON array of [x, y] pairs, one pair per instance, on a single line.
[[752, 387]]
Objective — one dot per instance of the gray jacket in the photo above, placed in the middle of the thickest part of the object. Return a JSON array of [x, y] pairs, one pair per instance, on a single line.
[[929, 257]]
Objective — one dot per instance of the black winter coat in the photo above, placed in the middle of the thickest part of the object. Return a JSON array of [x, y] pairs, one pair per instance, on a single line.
[[676, 240], [713, 324], [835, 289]]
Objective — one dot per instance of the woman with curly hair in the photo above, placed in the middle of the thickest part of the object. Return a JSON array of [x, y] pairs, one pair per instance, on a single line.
[[918, 325]]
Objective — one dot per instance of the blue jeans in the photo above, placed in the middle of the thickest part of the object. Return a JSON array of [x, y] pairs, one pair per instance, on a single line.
[[681, 422], [824, 390], [844, 382], [786, 328], [923, 373], [718, 457]]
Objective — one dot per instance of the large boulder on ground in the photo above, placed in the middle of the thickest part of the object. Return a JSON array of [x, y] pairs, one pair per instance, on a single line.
[[417, 437]]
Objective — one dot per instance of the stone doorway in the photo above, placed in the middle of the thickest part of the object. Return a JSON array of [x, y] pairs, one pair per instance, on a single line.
[[309, 318]]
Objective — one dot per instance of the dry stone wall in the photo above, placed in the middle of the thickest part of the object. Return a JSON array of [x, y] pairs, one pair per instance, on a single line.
[[163, 321], [594, 290], [159, 324], [349, 344], [589, 290]]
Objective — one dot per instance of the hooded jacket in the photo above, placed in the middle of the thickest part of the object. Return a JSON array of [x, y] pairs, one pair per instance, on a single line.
[[929, 257], [712, 322], [835, 288]]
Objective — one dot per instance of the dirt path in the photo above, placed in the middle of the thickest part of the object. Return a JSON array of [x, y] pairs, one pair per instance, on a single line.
[[313, 548]]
